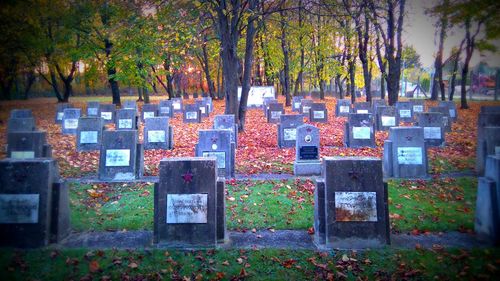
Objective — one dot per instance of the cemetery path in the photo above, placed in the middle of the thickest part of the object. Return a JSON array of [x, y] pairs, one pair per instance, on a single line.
[[279, 239], [263, 176]]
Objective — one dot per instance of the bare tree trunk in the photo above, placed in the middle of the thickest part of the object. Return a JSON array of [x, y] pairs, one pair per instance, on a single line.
[[286, 62]]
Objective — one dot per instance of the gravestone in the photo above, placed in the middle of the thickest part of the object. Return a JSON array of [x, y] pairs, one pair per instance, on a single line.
[[177, 105], [287, 129], [405, 111], [191, 114], [432, 122], [121, 156], [28, 145], [343, 108], [189, 207], [487, 218], [227, 122], [487, 118], [60, 107], [266, 102], [34, 203], [129, 104], [316, 95], [418, 106], [204, 111], [351, 204], [93, 109], [107, 112], [70, 120], [446, 116], [318, 113], [274, 112], [452, 109], [490, 144], [305, 105], [217, 143], [126, 119], [405, 153], [209, 103], [376, 103], [22, 113], [296, 103], [362, 108], [490, 109], [149, 110], [307, 161], [359, 131], [89, 133], [158, 134], [165, 108], [21, 124], [386, 117]]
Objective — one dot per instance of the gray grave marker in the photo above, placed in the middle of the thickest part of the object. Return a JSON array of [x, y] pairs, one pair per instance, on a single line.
[[405, 153], [305, 105], [446, 117], [296, 101], [191, 114], [266, 101], [209, 103], [488, 117], [432, 122], [21, 113], [386, 117], [376, 103], [204, 111], [107, 112], [158, 134], [129, 104], [60, 107], [405, 111], [21, 124], [217, 143], [89, 133], [452, 109], [418, 106], [70, 120], [274, 112], [93, 109], [318, 113], [121, 157], [307, 160], [149, 110], [177, 105], [362, 108], [343, 108], [126, 119], [28, 145], [359, 131], [165, 108], [227, 122], [287, 129]]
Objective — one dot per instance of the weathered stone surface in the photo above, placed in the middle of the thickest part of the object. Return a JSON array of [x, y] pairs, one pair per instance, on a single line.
[[177, 105], [447, 124], [386, 117], [452, 109], [343, 108], [93, 108], [227, 122], [351, 204], [305, 105], [274, 112], [121, 156], [266, 101], [318, 113], [126, 119], [187, 203], [107, 112], [405, 111], [418, 106], [60, 107], [359, 130], [191, 114], [209, 103], [405, 153], [149, 110], [21, 124], [296, 103], [129, 104], [432, 122], [28, 145], [158, 134], [487, 118], [21, 113], [217, 143], [166, 108], [307, 159], [362, 108], [204, 110], [376, 103], [287, 129], [70, 120], [89, 133], [34, 204]]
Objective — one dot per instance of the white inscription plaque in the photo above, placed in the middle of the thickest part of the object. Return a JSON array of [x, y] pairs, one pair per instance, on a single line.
[[60, 115], [156, 136], [405, 113], [410, 155], [275, 114], [187, 208], [202, 109], [361, 133], [344, 109], [220, 155], [305, 109], [149, 114], [88, 137], [192, 115], [388, 121], [92, 111], [418, 108], [107, 115], [165, 110], [176, 105], [356, 206], [296, 105], [117, 157], [362, 111], [290, 134], [71, 123], [125, 124], [497, 150], [432, 133], [19, 208], [22, 154], [319, 114]]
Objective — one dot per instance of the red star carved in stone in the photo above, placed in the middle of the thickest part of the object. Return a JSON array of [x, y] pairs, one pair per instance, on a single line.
[[187, 177], [308, 130]]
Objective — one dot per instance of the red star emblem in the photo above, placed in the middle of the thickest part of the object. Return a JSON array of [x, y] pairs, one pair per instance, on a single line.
[[187, 177], [308, 130], [214, 139]]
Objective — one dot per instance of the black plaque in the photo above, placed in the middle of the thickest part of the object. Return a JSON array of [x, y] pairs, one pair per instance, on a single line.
[[308, 153]]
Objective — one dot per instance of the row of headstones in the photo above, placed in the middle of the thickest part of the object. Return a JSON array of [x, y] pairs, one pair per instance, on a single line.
[[23, 138], [189, 203]]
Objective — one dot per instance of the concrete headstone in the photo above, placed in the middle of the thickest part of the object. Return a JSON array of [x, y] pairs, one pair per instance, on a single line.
[[89, 133], [405, 153], [307, 160], [121, 156]]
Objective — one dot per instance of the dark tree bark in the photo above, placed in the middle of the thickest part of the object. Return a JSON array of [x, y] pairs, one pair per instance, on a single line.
[[438, 63], [470, 44], [170, 86], [299, 80], [362, 30], [206, 69], [456, 59], [286, 61]]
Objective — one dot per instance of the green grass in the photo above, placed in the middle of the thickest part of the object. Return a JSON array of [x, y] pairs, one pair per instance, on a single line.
[[437, 205], [268, 264]]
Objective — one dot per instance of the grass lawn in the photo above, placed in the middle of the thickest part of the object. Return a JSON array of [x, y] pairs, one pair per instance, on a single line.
[[437, 205]]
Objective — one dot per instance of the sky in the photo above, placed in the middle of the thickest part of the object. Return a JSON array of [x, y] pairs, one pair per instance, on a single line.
[[420, 32]]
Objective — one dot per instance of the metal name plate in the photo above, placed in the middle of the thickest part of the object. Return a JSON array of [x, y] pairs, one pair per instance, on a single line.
[[418, 108], [388, 121], [356, 206], [361, 133], [22, 154], [149, 114], [88, 137], [117, 157], [165, 110], [92, 111], [405, 113], [319, 114], [156, 136], [275, 114], [410, 155], [187, 208], [125, 123], [344, 109], [362, 111], [176, 106], [71, 123], [191, 115], [432, 133], [220, 155], [19, 208], [290, 134], [107, 115]]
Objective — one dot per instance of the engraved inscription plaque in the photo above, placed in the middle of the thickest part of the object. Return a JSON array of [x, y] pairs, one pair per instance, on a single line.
[[92, 111], [388, 121], [19, 208], [164, 110], [344, 109], [22, 154], [60, 115], [361, 133], [318, 114], [220, 155], [418, 108], [191, 115], [308, 153], [356, 206], [410, 155], [275, 114], [290, 134], [125, 123], [117, 157], [156, 136], [362, 111], [71, 123], [149, 114], [107, 115], [187, 208], [202, 109], [405, 113], [176, 105], [88, 137], [305, 109], [297, 105], [432, 133]]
